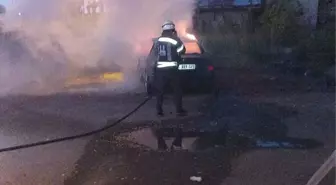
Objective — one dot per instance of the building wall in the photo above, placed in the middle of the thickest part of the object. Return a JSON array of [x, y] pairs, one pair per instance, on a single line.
[[310, 11], [211, 21], [326, 12], [212, 14], [227, 20]]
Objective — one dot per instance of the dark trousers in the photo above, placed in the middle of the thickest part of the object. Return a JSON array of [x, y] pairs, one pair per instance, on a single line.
[[162, 80]]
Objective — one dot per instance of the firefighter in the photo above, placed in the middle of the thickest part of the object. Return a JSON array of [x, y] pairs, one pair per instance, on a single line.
[[168, 50]]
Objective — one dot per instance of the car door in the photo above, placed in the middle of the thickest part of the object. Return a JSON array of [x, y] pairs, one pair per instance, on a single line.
[[150, 62]]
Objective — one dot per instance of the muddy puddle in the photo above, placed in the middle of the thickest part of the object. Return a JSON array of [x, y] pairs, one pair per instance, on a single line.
[[162, 139]]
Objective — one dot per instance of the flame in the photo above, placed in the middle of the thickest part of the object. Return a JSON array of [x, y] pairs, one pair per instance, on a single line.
[[181, 27], [143, 45], [192, 47], [190, 36]]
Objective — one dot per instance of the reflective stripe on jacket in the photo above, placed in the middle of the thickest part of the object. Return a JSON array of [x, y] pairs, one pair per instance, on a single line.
[[168, 51]]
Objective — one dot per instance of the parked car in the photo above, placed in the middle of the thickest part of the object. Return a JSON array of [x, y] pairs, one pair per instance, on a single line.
[[197, 70]]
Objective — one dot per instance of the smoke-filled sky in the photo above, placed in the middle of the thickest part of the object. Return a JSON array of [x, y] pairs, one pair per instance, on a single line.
[[53, 42], [4, 2]]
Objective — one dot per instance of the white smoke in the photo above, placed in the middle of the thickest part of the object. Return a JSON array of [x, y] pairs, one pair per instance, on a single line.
[[48, 41]]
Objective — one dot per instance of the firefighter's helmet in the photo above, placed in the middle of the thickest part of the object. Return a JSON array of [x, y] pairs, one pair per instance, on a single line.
[[168, 25]]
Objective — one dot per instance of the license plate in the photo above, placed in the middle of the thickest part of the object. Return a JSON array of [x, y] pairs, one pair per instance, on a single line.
[[187, 66]]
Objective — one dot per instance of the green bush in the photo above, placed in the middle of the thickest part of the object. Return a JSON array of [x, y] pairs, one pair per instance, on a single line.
[[280, 23], [318, 51], [226, 48], [280, 26]]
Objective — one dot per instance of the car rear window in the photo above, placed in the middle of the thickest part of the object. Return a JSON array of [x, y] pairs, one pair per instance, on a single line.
[[192, 48]]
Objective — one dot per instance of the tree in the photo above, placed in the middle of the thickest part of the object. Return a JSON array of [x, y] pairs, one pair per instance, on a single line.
[[281, 20]]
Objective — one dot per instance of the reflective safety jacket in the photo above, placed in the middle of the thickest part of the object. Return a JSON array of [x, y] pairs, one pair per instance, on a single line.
[[168, 51]]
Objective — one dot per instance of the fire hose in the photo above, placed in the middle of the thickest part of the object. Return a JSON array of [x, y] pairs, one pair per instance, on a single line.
[[78, 136]]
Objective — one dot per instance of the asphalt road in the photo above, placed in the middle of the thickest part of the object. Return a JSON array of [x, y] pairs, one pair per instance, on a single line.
[[239, 139], [26, 119], [265, 140]]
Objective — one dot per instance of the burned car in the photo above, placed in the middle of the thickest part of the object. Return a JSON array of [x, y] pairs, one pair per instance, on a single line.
[[197, 70]]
